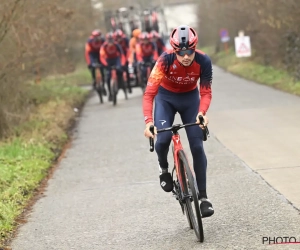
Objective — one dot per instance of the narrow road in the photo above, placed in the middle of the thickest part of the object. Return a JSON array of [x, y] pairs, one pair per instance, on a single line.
[[105, 193]]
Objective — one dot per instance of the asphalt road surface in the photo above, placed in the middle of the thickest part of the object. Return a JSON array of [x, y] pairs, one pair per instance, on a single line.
[[105, 194]]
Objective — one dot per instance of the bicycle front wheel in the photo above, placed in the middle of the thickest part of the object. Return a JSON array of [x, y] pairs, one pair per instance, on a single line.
[[99, 91], [190, 192], [114, 90]]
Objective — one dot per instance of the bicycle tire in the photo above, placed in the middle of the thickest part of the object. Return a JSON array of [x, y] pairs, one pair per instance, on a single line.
[[186, 212], [114, 90], [99, 91], [188, 217], [185, 206], [189, 184], [141, 80], [124, 85]]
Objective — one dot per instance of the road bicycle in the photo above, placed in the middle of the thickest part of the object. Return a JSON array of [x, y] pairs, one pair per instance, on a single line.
[[185, 187]]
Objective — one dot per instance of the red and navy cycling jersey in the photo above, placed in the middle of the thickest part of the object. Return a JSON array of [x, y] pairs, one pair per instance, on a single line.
[[111, 51], [124, 43], [146, 50], [160, 46], [175, 77], [92, 48], [95, 44]]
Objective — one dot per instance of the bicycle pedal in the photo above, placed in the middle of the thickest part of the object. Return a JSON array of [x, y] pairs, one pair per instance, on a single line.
[[175, 196]]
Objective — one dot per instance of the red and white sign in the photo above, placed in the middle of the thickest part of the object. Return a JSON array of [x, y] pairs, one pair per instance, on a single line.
[[242, 46]]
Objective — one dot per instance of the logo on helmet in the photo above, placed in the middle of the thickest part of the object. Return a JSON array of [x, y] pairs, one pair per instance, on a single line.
[[184, 48]]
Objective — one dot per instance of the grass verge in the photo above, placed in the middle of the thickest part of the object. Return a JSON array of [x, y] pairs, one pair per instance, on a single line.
[[27, 155], [252, 70]]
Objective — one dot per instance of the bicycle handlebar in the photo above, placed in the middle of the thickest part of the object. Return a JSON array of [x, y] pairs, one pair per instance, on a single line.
[[174, 128]]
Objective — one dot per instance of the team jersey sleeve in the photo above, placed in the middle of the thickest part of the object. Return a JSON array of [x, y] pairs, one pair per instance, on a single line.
[[103, 55], [205, 85], [122, 56], [87, 53], [132, 44], [154, 80], [138, 52]]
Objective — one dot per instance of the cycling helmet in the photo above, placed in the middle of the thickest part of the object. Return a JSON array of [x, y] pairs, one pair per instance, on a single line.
[[155, 34], [183, 37], [144, 36], [136, 33], [96, 33], [118, 33]]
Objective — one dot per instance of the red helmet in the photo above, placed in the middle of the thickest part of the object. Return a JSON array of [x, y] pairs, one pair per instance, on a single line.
[[96, 33], [183, 37], [118, 34], [144, 36], [155, 34]]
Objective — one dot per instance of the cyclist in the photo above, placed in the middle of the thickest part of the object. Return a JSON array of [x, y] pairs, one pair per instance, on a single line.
[[123, 41], [111, 54], [158, 41], [92, 49], [173, 83], [132, 56], [146, 52]]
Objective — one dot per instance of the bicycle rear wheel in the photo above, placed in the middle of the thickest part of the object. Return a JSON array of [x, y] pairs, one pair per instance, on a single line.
[[189, 191]]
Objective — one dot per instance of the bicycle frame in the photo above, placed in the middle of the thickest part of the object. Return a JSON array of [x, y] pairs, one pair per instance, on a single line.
[[178, 147], [177, 143]]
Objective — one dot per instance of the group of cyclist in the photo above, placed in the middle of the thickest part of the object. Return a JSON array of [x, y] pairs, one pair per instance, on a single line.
[[172, 87], [116, 50]]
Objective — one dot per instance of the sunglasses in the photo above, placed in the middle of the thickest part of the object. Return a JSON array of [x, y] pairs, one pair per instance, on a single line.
[[185, 52]]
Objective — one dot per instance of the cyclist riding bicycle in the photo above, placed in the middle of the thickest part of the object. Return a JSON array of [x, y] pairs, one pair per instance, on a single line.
[[146, 52], [173, 84], [123, 41], [132, 47], [111, 54], [160, 45], [92, 50]]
